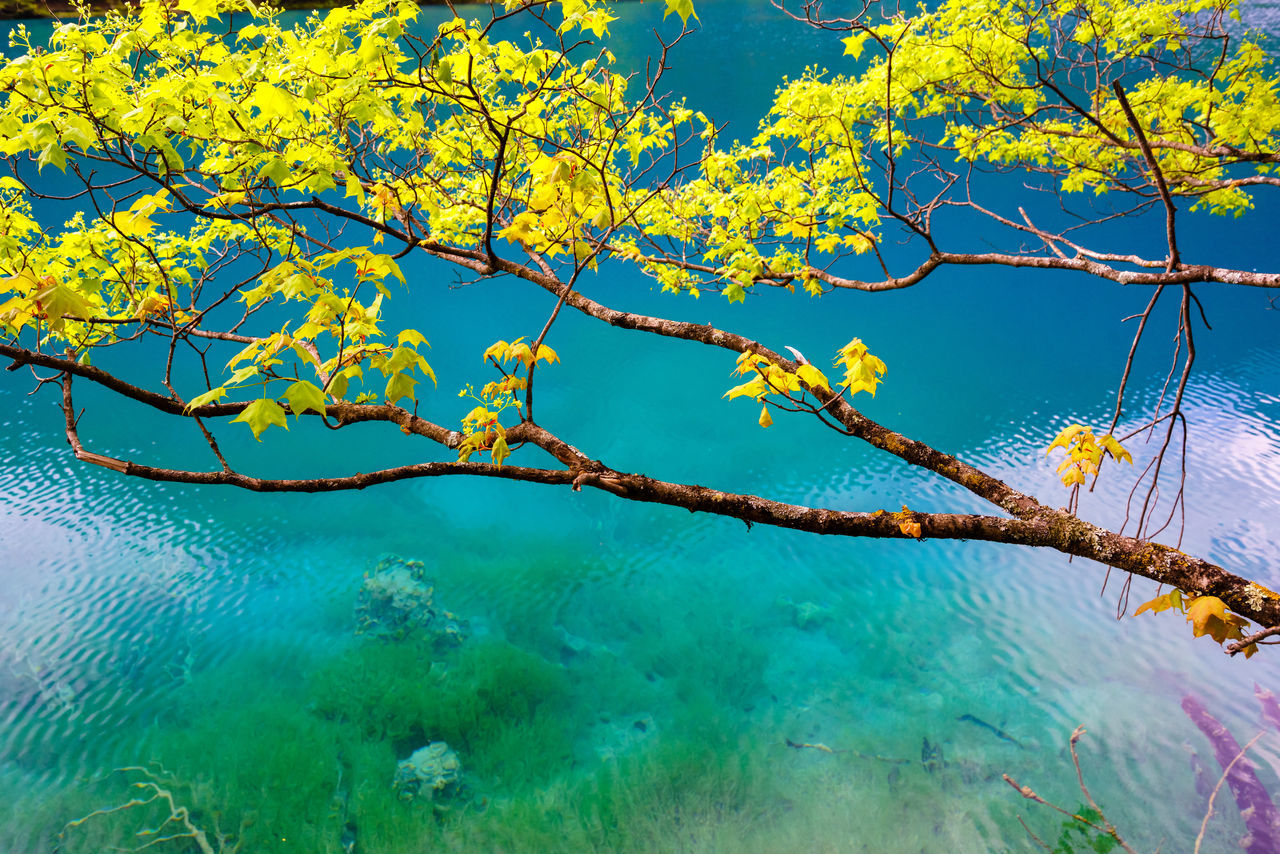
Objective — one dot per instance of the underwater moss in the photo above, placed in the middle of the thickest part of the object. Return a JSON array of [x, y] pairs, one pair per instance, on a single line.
[[720, 659], [266, 776], [385, 690], [395, 692], [678, 794]]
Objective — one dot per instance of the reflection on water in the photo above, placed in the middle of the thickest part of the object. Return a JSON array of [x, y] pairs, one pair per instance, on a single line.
[[631, 678], [639, 682]]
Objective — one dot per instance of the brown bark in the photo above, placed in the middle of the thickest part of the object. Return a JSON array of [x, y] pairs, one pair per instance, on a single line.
[[1021, 520], [1032, 525]]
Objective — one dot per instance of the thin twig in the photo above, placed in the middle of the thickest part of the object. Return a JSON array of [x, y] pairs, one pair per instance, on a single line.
[[1236, 647], [1208, 813]]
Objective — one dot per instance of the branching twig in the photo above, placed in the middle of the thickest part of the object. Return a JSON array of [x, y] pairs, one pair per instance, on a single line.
[[1106, 828], [1208, 813]]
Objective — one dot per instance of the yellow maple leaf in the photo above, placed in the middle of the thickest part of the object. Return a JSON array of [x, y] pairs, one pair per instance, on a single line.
[[1208, 615], [1172, 599]]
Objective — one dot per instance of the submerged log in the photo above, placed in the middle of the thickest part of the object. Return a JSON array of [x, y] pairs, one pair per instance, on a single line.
[[1260, 816], [1270, 708]]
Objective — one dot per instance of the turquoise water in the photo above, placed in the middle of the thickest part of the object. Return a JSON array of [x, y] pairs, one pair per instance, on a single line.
[[634, 673]]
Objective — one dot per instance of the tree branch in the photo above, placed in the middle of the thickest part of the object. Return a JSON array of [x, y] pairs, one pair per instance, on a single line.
[[1156, 173]]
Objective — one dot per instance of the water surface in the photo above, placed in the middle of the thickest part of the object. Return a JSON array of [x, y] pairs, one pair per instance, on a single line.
[[635, 673]]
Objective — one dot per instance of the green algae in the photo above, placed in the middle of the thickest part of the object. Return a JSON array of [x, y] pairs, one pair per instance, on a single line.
[[395, 692], [623, 721]]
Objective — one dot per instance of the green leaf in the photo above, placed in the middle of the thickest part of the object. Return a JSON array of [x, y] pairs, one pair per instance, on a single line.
[[54, 154], [338, 382], [412, 337], [243, 375], [400, 386], [401, 358], [305, 396], [278, 170], [260, 415], [426, 369], [60, 301], [210, 396], [683, 8]]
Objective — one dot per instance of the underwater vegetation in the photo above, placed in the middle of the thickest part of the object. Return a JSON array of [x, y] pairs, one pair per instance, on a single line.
[[250, 757], [621, 741], [280, 775], [481, 697], [616, 720]]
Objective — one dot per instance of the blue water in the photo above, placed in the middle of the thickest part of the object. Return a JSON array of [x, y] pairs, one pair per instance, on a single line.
[[659, 661]]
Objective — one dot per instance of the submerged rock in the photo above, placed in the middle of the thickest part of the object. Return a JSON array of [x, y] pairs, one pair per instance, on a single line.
[[433, 773], [806, 616], [397, 598]]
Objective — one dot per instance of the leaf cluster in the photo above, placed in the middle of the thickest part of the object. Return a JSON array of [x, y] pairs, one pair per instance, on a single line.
[[862, 373], [1085, 453], [1208, 616]]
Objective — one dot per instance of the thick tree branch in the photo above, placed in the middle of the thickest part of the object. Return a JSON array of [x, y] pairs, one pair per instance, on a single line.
[[1045, 528], [343, 413]]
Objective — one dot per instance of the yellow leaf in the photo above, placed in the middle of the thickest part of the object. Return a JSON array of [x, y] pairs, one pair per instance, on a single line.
[[412, 336], [225, 200], [273, 101], [747, 362], [1202, 609], [1208, 616], [756, 388], [522, 352], [500, 451], [201, 10], [1115, 449], [852, 351], [1172, 599], [132, 224], [1065, 437], [480, 415], [827, 243], [497, 350], [853, 44], [765, 419], [780, 380], [813, 377]]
